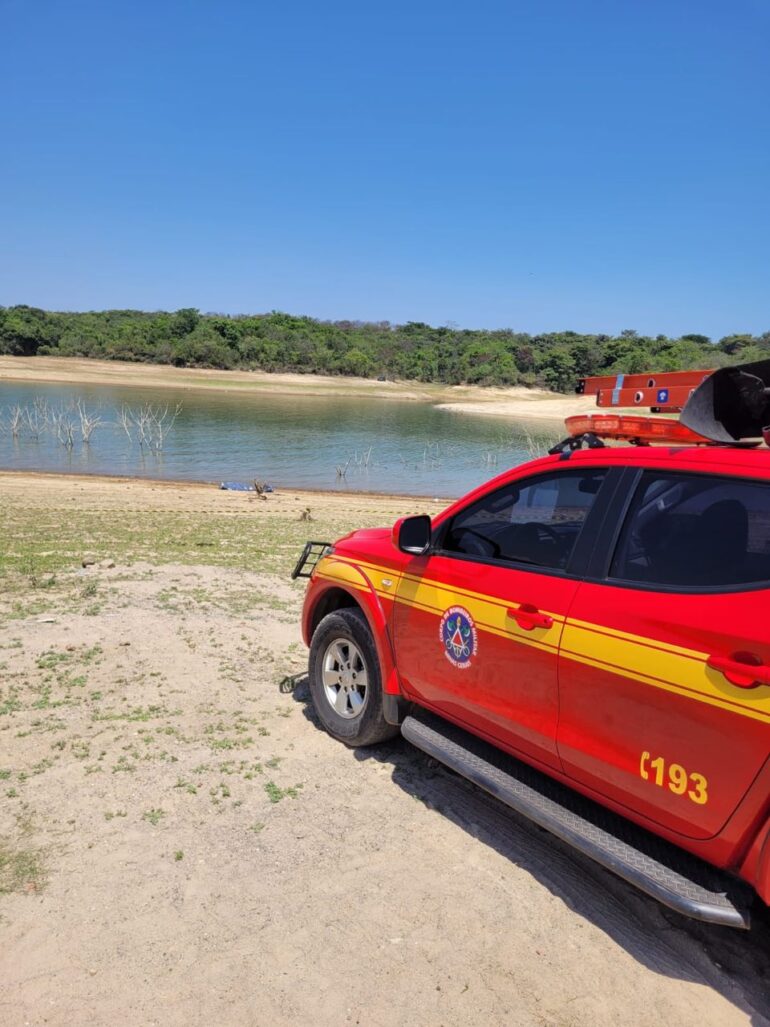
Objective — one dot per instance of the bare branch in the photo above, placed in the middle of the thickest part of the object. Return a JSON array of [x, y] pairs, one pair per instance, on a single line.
[[89, 421]]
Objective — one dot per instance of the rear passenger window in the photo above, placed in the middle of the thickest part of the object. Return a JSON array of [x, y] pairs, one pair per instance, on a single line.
[[693, 531]]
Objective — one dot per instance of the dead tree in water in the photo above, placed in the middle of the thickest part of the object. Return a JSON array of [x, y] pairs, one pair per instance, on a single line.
[[64, 427], [125, 420], [162, 423], [89, 421], [16, 420], [152, 423], [37, 417]]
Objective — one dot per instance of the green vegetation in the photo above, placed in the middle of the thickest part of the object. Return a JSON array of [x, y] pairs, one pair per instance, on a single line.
[[283, 342], [275, 794], [52, 540], [21, 869]]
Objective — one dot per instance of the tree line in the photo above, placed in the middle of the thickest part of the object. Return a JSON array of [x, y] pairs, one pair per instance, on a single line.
[[285, 342]]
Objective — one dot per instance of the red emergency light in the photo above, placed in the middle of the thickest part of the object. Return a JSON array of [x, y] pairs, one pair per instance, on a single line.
[[632, 428]]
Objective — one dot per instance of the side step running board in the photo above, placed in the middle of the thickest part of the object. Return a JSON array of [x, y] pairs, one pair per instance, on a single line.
[[668, 874]]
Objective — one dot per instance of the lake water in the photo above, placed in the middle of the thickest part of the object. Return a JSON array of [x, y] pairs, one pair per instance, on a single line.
[[381, 445]]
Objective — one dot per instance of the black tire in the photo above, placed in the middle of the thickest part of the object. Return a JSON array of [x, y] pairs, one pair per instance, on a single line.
[[343, 645]]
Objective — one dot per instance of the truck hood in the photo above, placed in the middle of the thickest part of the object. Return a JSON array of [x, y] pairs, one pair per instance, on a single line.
[[364, 536]]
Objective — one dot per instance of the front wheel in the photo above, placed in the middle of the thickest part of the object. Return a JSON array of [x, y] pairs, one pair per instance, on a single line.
[[345, 680]]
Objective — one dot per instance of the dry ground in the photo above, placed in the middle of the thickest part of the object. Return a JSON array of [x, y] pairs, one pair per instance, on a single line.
[[529, 404], [181, 844]]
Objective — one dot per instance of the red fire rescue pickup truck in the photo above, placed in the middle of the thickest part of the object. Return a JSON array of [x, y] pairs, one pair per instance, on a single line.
[[587, 637]]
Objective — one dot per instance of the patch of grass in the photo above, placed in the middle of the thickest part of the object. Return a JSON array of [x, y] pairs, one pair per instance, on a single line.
[[10, 702], [178, 855], [20, 610], [225, 742], [48, 541], [21, 870], [229, 743], [246, 768], [41, 726], [80, 750], [52, 659], [136, 713], [219, 792], [124, 765], [275, 794], [153, 816]]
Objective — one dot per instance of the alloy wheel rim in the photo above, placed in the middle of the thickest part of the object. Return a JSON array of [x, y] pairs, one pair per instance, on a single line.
[[345, 679]]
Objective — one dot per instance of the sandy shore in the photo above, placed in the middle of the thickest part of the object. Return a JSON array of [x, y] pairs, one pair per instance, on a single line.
[[524, 405], [40, 488], [513, 402]]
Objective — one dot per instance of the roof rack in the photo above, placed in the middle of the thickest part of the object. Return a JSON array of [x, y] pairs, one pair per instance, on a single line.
[[727, 406]]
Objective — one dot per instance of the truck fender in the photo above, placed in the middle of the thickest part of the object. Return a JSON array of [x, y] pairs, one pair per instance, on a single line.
[[340, 574]]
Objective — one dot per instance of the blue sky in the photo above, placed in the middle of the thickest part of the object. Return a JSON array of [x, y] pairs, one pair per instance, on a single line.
[[536, 165]]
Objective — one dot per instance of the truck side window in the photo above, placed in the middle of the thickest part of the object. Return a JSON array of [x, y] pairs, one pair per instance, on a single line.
[[695, 531], [534, 521]]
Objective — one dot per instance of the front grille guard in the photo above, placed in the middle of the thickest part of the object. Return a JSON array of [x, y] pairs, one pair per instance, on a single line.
[[311, 554]]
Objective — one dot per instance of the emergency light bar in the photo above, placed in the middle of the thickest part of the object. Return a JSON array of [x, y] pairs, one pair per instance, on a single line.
[[725, 405], [631, 428]]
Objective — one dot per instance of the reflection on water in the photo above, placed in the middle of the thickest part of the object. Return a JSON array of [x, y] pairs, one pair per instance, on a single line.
[[378, 445]]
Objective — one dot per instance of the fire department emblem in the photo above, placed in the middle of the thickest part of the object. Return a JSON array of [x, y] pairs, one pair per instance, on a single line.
[[458, 636]]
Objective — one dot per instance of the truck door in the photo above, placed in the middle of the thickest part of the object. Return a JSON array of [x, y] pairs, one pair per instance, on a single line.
[[477, 623], [665, 662]]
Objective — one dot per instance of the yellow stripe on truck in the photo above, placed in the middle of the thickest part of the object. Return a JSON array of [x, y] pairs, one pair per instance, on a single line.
[[650, 661], [654, 663]]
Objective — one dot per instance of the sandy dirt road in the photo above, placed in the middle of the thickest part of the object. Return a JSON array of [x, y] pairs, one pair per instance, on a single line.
[[193, 850]]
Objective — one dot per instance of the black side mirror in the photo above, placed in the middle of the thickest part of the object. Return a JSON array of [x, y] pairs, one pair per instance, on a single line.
[[412, 534]]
